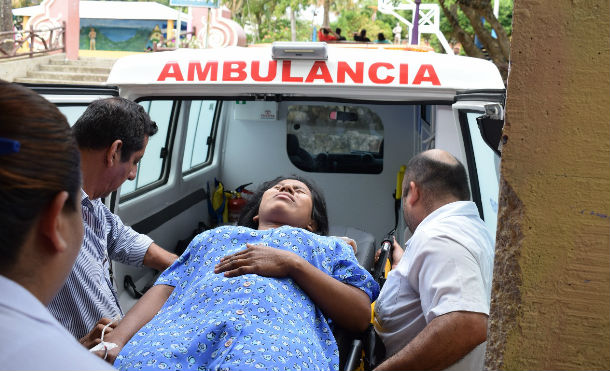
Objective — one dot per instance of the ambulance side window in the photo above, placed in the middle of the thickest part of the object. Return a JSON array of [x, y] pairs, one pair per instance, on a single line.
[[199, 133], [152, 168]]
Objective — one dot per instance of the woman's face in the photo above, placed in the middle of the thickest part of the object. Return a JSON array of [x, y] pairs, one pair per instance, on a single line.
[[289, 202]]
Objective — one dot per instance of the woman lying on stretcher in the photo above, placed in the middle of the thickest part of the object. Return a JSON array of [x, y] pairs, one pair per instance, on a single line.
[[256, 295]]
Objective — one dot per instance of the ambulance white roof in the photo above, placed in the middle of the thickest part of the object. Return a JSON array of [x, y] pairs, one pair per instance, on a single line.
[[348, 73]]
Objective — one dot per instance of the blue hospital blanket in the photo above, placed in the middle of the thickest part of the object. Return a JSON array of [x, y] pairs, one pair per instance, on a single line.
[[211, 322]]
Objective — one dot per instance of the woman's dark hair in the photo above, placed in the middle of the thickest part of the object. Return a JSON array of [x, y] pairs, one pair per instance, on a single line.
[[318, 210], [42, 161], [106, 120]]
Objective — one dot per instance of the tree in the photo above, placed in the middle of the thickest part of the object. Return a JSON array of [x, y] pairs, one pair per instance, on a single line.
[[460, 21], [482, 21], [6, 24], [6, 15]]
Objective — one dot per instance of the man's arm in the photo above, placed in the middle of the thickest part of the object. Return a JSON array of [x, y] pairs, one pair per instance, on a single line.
[[158, 258], [443, 342]]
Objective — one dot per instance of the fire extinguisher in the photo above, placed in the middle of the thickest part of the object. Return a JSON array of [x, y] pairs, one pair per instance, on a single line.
[[237, 202]]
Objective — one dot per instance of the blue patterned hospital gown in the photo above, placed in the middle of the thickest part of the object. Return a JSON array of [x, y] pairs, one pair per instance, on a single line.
[[249, 322]]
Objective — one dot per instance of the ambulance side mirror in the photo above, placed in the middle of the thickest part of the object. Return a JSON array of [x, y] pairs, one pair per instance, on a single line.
[[491, 125]]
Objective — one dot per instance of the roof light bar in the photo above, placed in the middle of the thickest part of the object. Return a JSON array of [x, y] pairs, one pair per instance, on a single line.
[[299, 50]]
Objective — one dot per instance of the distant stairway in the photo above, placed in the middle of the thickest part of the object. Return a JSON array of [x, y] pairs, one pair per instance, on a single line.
[[84, 71]]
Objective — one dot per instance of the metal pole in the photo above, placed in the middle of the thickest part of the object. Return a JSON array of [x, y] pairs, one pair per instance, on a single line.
[[415, 33], [32, 40], [207, 29], [178, 27]]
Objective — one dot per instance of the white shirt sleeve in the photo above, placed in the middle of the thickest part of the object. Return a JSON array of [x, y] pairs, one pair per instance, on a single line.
[[447, 277]]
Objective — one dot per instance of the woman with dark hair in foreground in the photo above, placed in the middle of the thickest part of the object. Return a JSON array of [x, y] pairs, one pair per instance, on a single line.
[[252, 296], [41, 231]]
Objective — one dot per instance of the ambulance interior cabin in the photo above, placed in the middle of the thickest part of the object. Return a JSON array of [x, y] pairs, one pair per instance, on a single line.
[[347, 121]]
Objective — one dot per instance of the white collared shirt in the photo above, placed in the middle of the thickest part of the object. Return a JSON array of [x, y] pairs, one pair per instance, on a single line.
[[33, 340], [446, 267]]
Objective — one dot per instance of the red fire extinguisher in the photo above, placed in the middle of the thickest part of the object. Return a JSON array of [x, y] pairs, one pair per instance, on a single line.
[[237, 202]]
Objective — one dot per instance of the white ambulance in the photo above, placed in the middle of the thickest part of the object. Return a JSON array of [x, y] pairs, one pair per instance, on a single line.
[[346, 117]]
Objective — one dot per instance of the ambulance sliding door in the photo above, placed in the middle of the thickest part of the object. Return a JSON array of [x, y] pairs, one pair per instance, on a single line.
[[480, 123], [167, 199]]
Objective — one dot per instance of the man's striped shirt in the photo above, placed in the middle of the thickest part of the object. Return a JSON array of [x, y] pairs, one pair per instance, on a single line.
[[88, 293]]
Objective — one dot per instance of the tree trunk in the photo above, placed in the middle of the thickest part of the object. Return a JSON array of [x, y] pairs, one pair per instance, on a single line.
[[326, 21], [6, 24], [6, 16], [293, 25]]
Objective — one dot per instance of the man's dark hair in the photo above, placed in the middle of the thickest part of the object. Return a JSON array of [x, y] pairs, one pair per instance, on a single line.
[[437, 178], [318, 210], [106, 120], [338, 31], [325, 31]]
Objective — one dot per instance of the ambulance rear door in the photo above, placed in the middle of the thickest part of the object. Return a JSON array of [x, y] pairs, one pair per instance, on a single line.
[[480, 117]]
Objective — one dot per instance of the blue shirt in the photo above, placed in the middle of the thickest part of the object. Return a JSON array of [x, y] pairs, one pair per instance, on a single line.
[[88, 293], [211, 322], [33, 340]]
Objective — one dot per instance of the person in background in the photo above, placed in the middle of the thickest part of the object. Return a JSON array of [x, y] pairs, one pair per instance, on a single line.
[[338, 33], [363, 37], [40, 233], [397, 31], [112, 135], [92, 36], [381, 39], [326, 34], [432, 311]]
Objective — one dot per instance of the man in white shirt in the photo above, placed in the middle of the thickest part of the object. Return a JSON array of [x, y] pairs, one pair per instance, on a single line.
[[432, 311]]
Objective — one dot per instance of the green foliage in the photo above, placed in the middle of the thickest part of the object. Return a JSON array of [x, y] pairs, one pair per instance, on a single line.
[[365, 16], [281, 32], [505, 17], [351, 21], [269, 20]]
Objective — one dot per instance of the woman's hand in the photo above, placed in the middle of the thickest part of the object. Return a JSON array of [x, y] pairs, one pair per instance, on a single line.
[[110, 355], [349, 306], [258, 259]]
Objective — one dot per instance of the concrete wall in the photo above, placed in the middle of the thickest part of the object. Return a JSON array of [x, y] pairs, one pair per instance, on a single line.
[[13, 68], [551, 290]]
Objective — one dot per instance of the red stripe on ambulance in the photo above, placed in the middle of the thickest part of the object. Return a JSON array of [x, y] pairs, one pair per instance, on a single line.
[[380, 73]]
